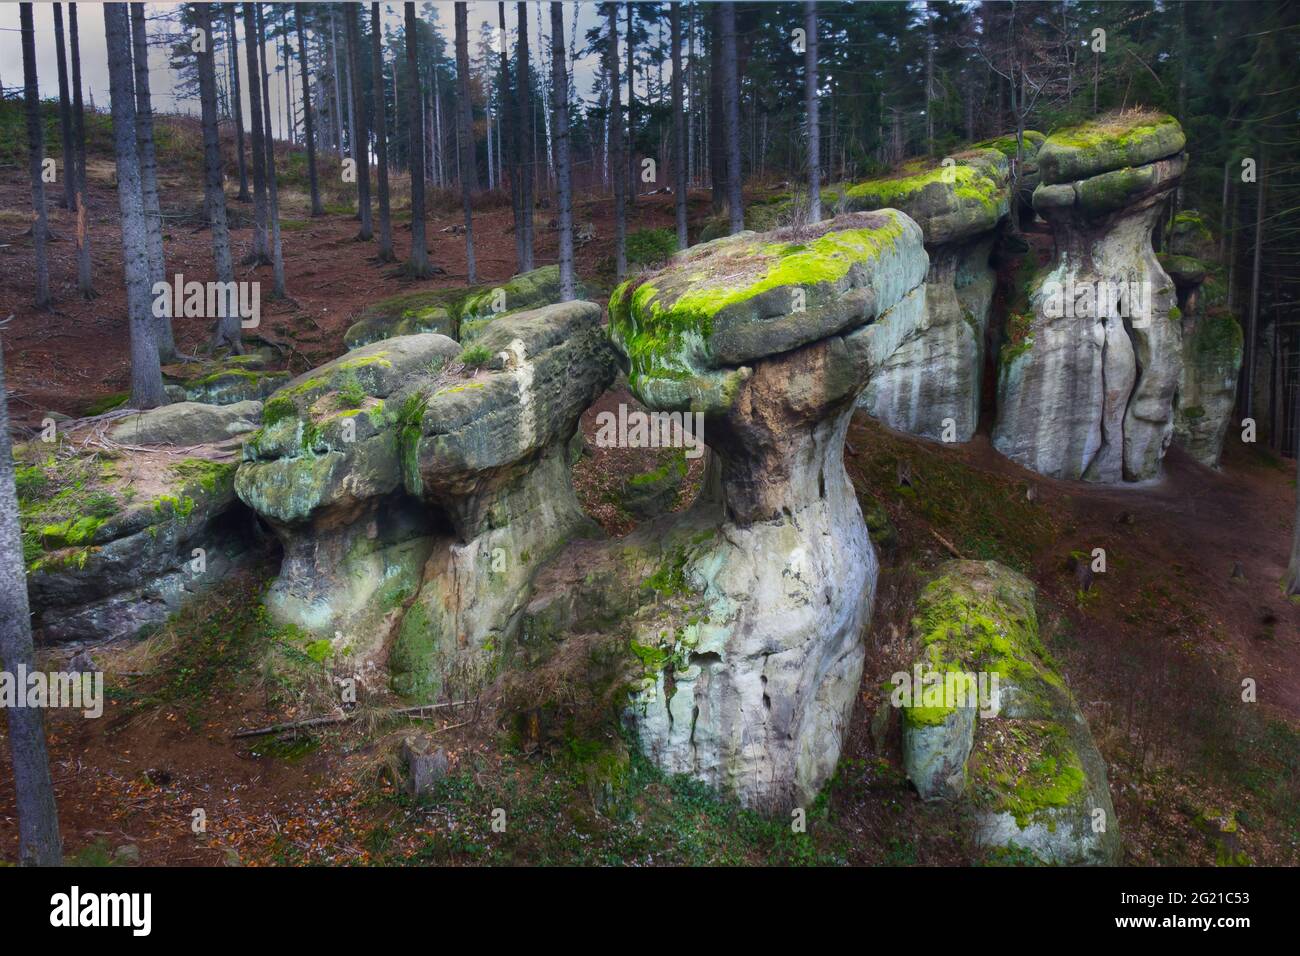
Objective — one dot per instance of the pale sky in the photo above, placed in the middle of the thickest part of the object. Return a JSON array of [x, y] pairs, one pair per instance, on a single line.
[[94, 56]]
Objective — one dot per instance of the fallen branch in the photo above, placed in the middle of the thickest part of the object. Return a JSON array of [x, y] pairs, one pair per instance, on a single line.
[[340, 718], [947, 544]]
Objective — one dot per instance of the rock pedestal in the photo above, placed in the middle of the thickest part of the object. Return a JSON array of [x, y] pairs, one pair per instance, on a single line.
[[930, 386], [747, 625], [1087, 389]]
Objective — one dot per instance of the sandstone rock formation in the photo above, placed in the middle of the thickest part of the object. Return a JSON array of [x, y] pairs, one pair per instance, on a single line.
[[744, 616], [490, 453], [1086, 386], [455, 312], [1027, 179], [325, 472], [1212, 341], [115, 539], [931, 385], [1020, 752]]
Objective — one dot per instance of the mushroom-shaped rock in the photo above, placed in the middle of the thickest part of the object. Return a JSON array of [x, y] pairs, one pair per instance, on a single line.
[[931, 384], [751, 649], [325, 472], [993, 722], [115, 541], [1086, 387], [488, 449]]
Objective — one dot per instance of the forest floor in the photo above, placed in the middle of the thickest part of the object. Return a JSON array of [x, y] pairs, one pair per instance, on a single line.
[[1155, 650]]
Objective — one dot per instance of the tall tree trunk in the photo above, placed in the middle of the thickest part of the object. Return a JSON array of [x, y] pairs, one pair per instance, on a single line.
[[525, 140], [381, 139], [360, 135], [146, 374], [85, 278], [810, 107], [35, 158], [227, 331], [337, 118], [560, 136], [681, 149], [309, 128], [1293, 569], [465, 133], [419, 264], [717, 140], [237, 98], [731, 116], [149, 178], [277, 252], [261, 253], [65, 114], [1252, 322], [618, 169], [631, 113], [38, 816], [929, 77], [509, 107]]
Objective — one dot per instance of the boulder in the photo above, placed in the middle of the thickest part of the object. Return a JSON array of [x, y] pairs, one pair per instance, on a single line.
[[454, 312], [225, 381], [652, 493], [1207, 390], [1019, 752], [931, 385], [325, 473], [117, 542], [1086, 386], [737, 626], [1026, 148], [188, 423], [487, 451]]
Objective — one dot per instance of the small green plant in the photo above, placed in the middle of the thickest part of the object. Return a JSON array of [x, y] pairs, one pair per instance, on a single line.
[[647, 247], [351, 393], [475, 356]]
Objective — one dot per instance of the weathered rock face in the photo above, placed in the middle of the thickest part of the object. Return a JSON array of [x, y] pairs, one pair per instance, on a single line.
[[114, 540], [1086, 390], [490, 452], [325, 472], [455, 312], [1020, 751], [746, 615], [1027, 151], [1212, 341], [225, 381], [931, 385]]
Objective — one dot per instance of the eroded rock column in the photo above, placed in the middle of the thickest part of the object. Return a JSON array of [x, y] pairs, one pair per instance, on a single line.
[[1086, 388]]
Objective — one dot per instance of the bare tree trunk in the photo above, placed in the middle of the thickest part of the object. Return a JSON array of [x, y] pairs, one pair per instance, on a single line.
[[338, 100], [618, 169], [277, 253], [65, 114], [525, 141], [149, 178], [36, 157], [227, 330], [261, 254], [237, 98], [717, 141], [361, 137], [681, 149], [465, 127], [146, 375], [731, 116], [381, 139], [509, 107], [85, 278], [1252, 322], [38, 816], [631, 114], [811, 107], [1293, 569], [419, 263], [929, 79], [309, 129], [560, 136]]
